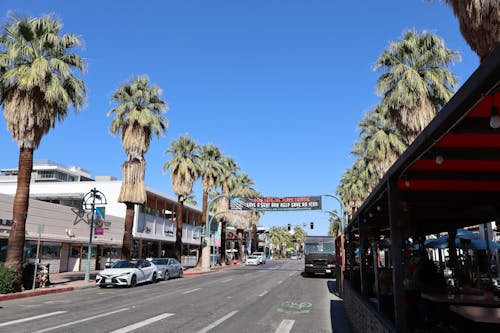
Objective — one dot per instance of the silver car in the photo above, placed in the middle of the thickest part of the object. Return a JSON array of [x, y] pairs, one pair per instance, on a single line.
[[167, 267]]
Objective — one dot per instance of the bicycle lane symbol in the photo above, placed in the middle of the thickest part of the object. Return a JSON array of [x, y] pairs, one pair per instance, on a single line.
[[293, 307]]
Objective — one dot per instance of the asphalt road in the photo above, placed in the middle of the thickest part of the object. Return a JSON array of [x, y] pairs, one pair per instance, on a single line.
[[274, 297]]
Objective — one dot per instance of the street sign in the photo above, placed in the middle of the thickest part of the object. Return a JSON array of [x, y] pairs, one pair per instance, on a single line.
[[275, 203]]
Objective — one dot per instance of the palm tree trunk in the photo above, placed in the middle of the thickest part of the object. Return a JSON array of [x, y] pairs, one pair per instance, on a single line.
[[15, 249], [179, 216], [253, 239], [127, 232], [223, 244], [239, 232], [203, 224]]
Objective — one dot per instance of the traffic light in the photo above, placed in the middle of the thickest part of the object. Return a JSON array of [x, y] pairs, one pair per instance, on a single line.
[[312, 225], [289, 227]]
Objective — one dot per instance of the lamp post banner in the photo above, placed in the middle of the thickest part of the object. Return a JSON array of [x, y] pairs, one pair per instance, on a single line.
[[275, 203]]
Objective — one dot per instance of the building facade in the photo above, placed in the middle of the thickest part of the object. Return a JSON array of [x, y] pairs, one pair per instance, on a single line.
[[57, 194]]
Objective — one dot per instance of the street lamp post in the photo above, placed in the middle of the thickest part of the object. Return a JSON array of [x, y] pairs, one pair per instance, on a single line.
[[89, 200], [343, 212]]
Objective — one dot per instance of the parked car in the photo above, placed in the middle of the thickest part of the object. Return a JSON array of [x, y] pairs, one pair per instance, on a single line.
[[261, 255], [127, 273], [167, 267], [252, 260]]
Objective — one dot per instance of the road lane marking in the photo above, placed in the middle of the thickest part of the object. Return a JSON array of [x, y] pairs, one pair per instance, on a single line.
[[17, 321], [82, 320], [142, 323], [285, 326], [263, 293], [218, 322], [226, 280], [280, 281], [191, 291]]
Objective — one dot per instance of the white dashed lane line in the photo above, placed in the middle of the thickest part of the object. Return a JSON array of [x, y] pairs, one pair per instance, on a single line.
[[285, 326], [142, 323], [12, 322]]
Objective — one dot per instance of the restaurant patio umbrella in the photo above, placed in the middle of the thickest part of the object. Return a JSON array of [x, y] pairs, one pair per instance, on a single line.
[[442, 241]]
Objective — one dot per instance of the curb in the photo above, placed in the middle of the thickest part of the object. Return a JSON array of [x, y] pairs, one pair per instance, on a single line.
[[8, 297]]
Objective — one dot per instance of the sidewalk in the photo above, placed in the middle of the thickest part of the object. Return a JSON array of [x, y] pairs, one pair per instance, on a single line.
[[70, 281]]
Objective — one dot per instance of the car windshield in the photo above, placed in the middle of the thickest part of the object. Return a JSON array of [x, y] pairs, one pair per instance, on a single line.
[[123, 264], [157, 261], [252, 257]]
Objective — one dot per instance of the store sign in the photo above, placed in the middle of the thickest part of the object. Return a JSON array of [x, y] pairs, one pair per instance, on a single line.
[[275, 203]]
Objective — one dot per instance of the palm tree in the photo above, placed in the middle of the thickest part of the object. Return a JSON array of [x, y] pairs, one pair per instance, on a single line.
[[355, 185], [380, 143], [244, 188], [479, 24], [184, 170], [415, 83], [138, 115], [211, 174], [229, 180], [37, 87], [334, 220], [278, 237], [300, 235], [191, 199]]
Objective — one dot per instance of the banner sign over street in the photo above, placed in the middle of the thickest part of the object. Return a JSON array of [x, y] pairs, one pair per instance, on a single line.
[[274, 203]]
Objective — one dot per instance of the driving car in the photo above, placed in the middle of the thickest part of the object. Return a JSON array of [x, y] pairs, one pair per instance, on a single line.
[[167, 267], [127, 273], [252, 260]]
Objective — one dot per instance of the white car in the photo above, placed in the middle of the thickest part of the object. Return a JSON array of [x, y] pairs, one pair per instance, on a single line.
[[127, 273], [252, 260], [261, 255], [167, 267]]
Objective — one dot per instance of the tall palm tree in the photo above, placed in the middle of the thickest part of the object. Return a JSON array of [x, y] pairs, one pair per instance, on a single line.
[[229, 180], [479, 23], [37, 85], [356, 184], [415, 83], [380, 143], [138, 115], [211, 173], [244, 188], [184, 170]]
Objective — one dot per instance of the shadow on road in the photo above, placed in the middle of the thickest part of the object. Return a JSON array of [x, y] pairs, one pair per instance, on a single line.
[[338, 316]]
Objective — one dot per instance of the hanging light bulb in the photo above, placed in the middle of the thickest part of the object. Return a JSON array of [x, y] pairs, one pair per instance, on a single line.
[[439, 159], [495, 117]]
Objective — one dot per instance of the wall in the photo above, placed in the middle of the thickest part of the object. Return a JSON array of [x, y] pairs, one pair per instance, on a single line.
[[362, 317]]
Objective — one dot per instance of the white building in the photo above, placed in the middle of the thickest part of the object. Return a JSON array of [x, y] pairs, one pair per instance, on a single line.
[[154, 222]]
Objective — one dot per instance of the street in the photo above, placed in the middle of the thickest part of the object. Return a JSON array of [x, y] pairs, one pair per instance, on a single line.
[[274, 297]]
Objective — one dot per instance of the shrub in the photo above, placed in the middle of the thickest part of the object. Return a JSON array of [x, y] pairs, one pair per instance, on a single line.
[[6, 279]]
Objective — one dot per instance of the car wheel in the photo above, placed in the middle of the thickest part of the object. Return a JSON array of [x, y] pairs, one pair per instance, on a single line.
[[180, 273], [153, 278], [166, 276], [133, 281]]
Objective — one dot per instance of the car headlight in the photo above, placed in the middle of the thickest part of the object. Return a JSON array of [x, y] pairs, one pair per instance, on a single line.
[[309, 265], [330, 265], [123, 274]]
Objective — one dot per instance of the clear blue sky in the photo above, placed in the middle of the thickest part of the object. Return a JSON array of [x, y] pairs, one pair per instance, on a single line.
[[279, 86]]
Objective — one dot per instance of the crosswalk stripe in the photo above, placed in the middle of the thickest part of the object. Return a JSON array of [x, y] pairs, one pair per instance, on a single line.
[[285, 326], [142, 323], [12, 322]]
